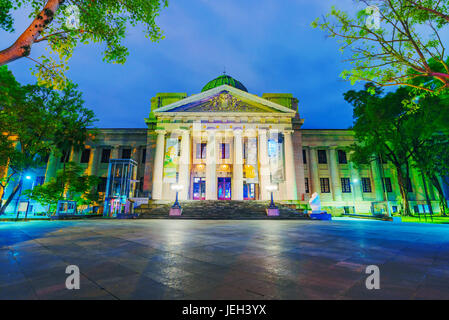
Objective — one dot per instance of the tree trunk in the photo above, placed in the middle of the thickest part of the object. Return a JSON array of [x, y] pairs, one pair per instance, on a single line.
[[441, 197], [429, 204], [11, 196], [404, 191], [22, 46]]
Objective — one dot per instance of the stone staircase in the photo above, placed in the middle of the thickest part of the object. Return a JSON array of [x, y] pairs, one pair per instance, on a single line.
[[210, 209]]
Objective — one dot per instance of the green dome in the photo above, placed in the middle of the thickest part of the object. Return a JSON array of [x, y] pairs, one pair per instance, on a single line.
[[224, 79]]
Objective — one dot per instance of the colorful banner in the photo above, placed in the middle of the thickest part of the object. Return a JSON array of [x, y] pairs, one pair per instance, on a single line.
[[250, 168], [171, 160], [276, 157]]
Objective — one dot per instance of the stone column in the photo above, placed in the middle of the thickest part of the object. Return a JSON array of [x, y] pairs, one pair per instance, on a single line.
[[93, 162], [377, 179], [299, 165], [114, 152], [158, 165], [211, 165], [184, 165], [313, 169], [135, 156], [74, 156], [237, 174], [335, 175], [264, 165], [290, 176], [52, 166]]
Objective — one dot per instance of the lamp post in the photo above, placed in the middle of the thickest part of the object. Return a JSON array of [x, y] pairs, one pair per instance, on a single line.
[[176, 208], [272, 210]]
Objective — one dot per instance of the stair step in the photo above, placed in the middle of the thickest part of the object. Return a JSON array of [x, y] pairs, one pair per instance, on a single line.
[[210, 209]]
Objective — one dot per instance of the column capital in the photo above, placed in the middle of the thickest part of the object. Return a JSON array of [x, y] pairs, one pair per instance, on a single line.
[[160, 131], [333, 147], [289, 131]]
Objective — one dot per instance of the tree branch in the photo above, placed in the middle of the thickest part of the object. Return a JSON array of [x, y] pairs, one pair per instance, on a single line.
[[22, 46]]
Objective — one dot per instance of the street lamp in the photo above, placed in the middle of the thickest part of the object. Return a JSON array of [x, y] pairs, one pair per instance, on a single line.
[[177, 188], [271, 188]]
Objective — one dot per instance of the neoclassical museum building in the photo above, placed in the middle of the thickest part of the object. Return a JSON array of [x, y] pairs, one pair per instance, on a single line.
[[225, 143]]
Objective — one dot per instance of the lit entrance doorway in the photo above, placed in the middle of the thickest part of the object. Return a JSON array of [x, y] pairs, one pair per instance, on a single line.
[[199, 188], [224, 189]]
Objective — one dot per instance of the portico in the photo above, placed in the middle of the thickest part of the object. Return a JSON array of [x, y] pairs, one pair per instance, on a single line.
[[224, 144]]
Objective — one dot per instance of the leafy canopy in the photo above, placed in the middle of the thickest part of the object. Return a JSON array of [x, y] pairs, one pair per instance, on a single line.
[[64, 25], [394, 42], [37, 121]]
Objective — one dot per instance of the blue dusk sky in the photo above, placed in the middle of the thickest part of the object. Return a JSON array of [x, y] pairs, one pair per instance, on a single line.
[[268, 45]]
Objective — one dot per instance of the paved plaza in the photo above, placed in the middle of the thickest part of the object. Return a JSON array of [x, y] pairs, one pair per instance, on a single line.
[[199, 259]]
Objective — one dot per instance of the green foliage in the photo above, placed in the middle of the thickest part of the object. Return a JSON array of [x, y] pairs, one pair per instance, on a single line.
[[410, 36], [70, 183], [37, 121], [403, 128], [104, 22]]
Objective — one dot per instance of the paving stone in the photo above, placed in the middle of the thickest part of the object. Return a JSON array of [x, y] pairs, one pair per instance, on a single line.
[[223, 259]]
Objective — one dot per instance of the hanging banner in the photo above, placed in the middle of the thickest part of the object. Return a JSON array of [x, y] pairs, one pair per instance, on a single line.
[[250, 168], [276, 157], [171, 160]]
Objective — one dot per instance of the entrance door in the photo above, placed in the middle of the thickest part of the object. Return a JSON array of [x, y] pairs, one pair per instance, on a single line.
[[224, 189], [199, 188]]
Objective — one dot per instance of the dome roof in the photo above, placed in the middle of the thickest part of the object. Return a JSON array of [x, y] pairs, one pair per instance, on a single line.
[[224, 79]]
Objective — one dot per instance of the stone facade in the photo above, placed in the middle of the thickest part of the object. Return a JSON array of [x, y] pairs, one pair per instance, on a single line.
[[227, 144]]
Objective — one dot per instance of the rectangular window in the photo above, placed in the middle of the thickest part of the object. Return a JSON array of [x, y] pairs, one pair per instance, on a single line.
[[65, 156], [304, 156], [366, 185], [306, 181], [144, 155], [345, 185], [322, 158], [324, 183], [141, 181], [40, 180], [387, 185], [225, 151], [126, 153], [342, 159], [409, 185], [45, 158], [105, 155], [102, 185], [201, 150], [85, 155]]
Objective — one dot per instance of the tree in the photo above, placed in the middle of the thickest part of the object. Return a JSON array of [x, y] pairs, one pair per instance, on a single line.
[[63, 25], [36, 122], [70, 183], [405, 129], [379, 132], [428, 140], [394, 42]]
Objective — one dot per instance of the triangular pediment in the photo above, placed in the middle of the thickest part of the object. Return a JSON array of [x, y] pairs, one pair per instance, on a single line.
[[224, 99]]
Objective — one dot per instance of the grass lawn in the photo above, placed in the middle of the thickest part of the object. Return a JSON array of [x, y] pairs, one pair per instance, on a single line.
[[436, 219]]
